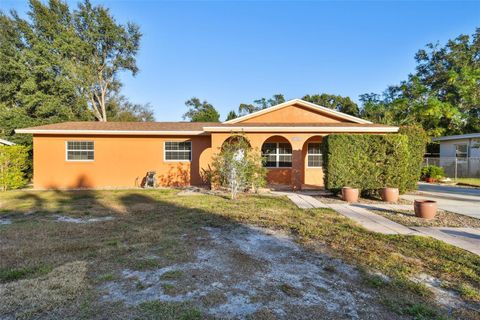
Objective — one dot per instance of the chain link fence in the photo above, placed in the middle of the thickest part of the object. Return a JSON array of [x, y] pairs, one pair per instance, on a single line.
[[467, 167]]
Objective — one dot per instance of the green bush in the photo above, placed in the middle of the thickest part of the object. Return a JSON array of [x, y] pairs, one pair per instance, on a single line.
[[417, 143], [434, 172], [368, 162], [13, 163]]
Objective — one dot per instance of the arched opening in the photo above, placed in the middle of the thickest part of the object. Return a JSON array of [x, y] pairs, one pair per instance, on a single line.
[[236, 139], [277, 154], [313, 162]]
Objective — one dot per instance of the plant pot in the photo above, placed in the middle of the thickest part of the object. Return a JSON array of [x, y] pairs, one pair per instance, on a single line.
[[389, 194], [430, 180], [425, 209], [350, 194]]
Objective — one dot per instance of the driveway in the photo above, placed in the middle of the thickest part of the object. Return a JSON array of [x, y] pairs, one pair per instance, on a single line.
[[460, 200]]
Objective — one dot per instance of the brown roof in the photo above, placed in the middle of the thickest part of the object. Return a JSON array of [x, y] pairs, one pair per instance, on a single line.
[[177, 126], [125, 126]]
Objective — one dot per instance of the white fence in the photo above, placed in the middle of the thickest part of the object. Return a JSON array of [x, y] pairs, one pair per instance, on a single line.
[[456, 167]]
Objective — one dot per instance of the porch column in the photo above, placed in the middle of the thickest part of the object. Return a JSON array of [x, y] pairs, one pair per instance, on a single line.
[[297, 163]]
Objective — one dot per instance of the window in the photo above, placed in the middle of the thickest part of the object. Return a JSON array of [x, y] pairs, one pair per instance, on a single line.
[[178, 151], [80, 151], [314, 155], [461, 151], [277, 155]]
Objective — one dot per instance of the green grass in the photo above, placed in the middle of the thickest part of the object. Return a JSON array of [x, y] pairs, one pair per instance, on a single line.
[[152, 222], [470, 181], [157, 310]]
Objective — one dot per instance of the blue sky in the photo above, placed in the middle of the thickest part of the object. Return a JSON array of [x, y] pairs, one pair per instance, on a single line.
[[235, 52]]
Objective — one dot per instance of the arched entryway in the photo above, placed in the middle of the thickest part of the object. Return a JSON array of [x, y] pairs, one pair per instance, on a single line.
[[313, 162], [277, 153]]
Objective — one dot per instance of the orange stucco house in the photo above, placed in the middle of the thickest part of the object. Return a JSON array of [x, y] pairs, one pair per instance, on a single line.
[[119, 154]]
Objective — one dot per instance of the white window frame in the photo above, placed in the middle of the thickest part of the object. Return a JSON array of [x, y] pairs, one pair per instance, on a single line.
[[278, 154], [79, 160], [314, 154], [183, 160]]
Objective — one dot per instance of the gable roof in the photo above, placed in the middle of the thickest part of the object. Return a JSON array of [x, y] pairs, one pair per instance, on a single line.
[[302, 103], [458, 137]]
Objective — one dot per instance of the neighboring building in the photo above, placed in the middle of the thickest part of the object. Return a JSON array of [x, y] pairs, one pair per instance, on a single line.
[[6, 143], [119, 154], [460, 155]]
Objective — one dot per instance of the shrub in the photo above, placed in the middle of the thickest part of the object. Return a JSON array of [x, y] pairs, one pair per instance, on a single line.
[[367, 161], [417, 142], [434, 172], [238, 167], [13, 163]]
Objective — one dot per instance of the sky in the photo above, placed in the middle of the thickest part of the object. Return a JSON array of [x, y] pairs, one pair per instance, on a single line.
[[229, 52]]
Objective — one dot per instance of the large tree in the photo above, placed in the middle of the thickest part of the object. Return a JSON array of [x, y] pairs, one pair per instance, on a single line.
[[60, 64], [335, 102], [442, 95], [200, 111]]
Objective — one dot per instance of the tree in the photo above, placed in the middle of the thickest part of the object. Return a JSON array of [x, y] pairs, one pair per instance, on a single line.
[[13, 163], [238, 167], [338, 103], [201, 111], [442, 95], [231, 115], [105, 48], [62, 64], [260, 104], [124, 111]]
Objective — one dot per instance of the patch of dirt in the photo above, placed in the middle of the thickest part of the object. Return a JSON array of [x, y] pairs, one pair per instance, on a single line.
[[442, 219], [82, 220], [25, 298], [248, 272]]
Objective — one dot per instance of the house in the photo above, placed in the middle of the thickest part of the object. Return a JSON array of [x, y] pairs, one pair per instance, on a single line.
[[6, 143], [460, 155], [118, 155]]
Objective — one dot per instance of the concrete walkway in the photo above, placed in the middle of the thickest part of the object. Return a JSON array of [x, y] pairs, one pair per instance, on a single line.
[[465, 238], [460, 200]]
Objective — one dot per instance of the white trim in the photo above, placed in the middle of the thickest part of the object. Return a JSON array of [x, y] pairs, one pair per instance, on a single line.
[[110, 132], [304, 104], [6, 142], [278, 154], [79, 160], [314, 154], [301, 129], [172, 160]]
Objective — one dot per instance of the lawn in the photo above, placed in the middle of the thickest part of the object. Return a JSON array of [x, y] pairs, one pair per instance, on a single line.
[[152, 254], [469, 181]]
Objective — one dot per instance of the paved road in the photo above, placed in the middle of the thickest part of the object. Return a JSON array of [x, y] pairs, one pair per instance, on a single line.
[[427, 187], [460, 200]]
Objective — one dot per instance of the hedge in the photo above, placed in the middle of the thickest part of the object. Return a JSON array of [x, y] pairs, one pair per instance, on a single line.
[[371, 161], [13, 163]]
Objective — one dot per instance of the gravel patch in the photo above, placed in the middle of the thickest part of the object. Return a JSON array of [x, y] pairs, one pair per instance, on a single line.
[[249, 270]]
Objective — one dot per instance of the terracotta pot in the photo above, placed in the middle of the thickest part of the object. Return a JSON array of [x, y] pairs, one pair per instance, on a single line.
[[389, 194], [350, 194], [425, 209], [430, 180]]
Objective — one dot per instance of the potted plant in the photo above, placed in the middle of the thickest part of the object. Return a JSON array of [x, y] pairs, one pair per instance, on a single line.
[[432, 173], [425, 209], [389, 194], [350, 194]]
